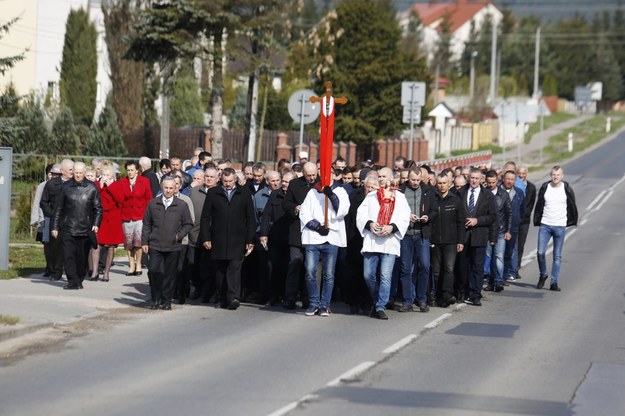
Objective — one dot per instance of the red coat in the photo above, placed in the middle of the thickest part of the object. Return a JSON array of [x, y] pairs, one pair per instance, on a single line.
[[136, 201], [111, 232]]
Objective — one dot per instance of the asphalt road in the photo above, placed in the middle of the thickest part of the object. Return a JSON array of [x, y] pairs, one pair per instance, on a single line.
[[526, 351]]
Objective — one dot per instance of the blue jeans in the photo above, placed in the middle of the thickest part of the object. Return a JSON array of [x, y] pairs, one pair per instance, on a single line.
[[545, 233], [510, 258], [329, 253], [414, 267], [494, 259], [379, 290]]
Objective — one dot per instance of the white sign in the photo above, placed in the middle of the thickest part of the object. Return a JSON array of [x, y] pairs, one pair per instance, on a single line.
[[413, 92], [416, 115], [596, 91]]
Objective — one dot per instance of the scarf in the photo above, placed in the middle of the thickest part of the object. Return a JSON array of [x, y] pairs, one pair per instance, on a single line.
[[387, 205]]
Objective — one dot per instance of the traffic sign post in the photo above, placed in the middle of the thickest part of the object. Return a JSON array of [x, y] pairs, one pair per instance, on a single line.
[[413, 99], [302, 111]]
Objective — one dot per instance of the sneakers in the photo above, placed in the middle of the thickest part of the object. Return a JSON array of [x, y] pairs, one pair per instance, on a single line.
[[312, 311], [554, 287], [424, 307], [510, 278], [541, 282], [498, 288], [381, 315], [474, 302], [407, 307], [488, 288], [324, 311]]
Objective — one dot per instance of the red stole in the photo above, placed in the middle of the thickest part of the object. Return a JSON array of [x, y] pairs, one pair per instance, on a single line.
[[387, 205]]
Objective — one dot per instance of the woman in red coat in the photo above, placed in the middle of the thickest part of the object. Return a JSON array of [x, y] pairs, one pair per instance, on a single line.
[[111, 233]]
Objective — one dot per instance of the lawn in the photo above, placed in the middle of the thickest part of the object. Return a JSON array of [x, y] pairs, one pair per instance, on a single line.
[[24, 261], [555, 118]]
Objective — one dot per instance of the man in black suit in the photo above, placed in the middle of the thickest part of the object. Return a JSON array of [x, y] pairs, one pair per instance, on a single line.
[[480, 225], [526, 215], [295, 195], [227, 228]]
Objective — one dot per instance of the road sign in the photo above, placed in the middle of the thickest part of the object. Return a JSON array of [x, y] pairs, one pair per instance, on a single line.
[[583, 95], [299, 103], [416, 115], [413, 93]]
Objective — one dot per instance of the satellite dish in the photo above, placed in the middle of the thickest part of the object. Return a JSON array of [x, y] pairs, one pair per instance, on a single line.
[[310, 111]]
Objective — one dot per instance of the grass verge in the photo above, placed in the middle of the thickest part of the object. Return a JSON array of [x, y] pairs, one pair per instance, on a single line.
[[8, 320], [555, 118], [24, 261]]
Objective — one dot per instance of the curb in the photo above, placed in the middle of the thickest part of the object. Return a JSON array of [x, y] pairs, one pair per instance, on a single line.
[[21, 330]]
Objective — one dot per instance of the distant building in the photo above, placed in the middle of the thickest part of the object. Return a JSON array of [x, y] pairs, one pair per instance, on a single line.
[[41, 33], [461, 13]]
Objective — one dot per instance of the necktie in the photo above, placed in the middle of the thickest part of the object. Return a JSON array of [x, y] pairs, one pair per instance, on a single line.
[[472, 201], [167, 202]]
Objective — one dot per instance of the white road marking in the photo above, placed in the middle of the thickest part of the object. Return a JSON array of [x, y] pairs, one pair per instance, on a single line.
[[351, 374], [437, 321], [284, 410], [594, 201], [604, 200], [400, 344]]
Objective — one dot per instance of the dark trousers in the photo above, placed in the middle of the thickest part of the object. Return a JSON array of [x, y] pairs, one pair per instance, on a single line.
[[228, 279], [461, 275], [182, 272], [206, 283], [75, 255], [294, 274], [54, 256], [278, 269], [357, 293], [162, 266], [523, 230], [475, 262], [443, 260]]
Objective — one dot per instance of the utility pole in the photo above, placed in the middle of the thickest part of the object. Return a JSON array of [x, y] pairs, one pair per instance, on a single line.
[[536, 63], [472, 76], [436, 86], [493, 64]]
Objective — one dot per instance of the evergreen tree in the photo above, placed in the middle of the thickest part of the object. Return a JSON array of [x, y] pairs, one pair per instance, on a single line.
[[617, 37], [126, 75], [572, 64], [105, 138], [550, 86], [442, 50], [79, 66], [412, 41], [364, 61], [64, 140], [186, 104], [33, 134], [518, 52], [605, 68], [470, 46], [8, 99]]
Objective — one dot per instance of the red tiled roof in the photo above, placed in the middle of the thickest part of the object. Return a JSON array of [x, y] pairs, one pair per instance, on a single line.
[[459, 12]]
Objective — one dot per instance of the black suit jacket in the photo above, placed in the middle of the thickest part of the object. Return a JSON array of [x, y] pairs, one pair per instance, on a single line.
[[530, 200], [295, 195], [486, 214], [228, 225]]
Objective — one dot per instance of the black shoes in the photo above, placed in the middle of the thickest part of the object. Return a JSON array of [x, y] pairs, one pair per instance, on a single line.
[[289, 304], [166, 306], [407, 307], [474, 302], [554, 287], [381, 315], [488, 288], [234, 305], [154, 305], [70, 286], [498, 288], [541, 281], [424, 307]]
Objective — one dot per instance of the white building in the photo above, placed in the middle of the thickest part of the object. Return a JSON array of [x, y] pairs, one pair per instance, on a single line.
[[41, 32], [461, 13]]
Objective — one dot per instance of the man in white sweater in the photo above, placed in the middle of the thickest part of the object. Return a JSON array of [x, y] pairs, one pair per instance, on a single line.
[[321, 239]]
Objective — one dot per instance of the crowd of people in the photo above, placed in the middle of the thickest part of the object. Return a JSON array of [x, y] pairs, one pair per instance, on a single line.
[[399, 237]]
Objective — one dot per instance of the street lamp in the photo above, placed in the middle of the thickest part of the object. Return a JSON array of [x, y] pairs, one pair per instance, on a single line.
[[472, 75]]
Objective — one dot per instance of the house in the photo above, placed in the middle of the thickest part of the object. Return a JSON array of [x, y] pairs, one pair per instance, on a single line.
[[40, 33], [461, 13]]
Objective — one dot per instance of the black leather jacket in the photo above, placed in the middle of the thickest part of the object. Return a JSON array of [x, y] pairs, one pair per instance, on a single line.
[[504, 210], [78, 208]]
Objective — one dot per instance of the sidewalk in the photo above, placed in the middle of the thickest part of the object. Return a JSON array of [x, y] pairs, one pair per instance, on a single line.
[[41, 303], [530, 152]]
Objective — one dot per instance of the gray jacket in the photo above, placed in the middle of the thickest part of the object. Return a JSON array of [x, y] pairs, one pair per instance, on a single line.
[[163, 230]]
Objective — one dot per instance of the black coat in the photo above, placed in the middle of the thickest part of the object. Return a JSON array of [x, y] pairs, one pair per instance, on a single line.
[[50, 195], [448, 225], [154, 183], [228, 225], [163, 229], [530, 200], [295, 195], [78, 208], [273, 223], [571, 206], [486, 214]]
